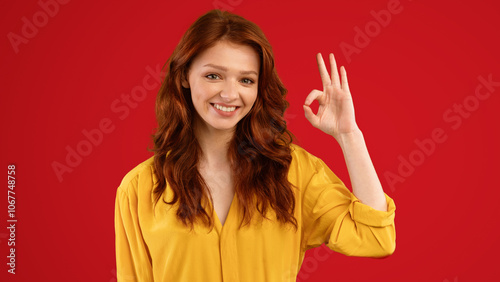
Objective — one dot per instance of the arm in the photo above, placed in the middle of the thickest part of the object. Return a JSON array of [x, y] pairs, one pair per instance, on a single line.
[[336, 117]]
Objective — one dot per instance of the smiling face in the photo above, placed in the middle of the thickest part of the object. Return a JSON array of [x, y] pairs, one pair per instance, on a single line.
[[224, 81]]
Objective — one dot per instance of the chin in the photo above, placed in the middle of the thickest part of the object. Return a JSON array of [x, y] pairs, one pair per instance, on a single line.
[[224, 127]]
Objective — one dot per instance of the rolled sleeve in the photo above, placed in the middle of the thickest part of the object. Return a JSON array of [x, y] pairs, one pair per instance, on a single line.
[[363, 231], [369, 216]]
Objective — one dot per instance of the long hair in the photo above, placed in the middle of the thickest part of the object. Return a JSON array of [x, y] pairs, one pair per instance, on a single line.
[[259, 152]]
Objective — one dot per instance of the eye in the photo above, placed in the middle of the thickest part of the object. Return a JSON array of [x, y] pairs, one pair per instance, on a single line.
[[212, 76], [247, 81]]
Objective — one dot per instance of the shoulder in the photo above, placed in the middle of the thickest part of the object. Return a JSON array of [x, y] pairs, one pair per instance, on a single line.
[[140, 175], [301, 157], [307, 169], [303, 165]]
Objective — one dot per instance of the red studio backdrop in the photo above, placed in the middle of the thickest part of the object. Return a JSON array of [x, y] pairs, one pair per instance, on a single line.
[[78, 86]]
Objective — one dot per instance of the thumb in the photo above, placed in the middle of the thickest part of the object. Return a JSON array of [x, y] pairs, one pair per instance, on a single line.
[[310, 116]]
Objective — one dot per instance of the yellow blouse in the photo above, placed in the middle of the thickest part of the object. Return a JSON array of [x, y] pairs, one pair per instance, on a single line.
[[152, 245]]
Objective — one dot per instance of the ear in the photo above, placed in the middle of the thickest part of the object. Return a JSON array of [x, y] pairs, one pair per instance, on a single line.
[[184, 83]]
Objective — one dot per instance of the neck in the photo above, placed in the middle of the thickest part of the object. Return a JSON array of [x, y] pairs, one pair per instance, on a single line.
[[214, 145]]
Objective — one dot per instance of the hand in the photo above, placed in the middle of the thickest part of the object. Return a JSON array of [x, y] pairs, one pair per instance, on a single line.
[[336, 111]]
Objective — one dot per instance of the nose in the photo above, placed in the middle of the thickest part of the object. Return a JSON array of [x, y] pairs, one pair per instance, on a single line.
[[230, 91]]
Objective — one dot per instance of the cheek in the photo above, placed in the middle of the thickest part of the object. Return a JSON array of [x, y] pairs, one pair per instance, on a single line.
[[201, 91], [250, 97]]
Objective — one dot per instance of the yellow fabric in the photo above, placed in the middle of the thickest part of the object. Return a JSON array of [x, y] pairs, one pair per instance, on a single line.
[[152, 245]]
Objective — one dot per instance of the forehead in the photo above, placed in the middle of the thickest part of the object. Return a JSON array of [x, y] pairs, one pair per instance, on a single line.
[[232, 56]]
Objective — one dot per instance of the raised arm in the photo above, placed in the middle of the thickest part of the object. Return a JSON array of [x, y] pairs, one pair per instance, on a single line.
[[335, 117]]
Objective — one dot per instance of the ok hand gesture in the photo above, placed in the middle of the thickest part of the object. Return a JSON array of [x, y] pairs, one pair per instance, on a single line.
[[336, 111]]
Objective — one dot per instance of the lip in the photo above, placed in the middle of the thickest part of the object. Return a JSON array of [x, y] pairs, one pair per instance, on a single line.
[[222, 113]]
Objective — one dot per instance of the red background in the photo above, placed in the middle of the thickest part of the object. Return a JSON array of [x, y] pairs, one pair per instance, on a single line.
[[428, 58]]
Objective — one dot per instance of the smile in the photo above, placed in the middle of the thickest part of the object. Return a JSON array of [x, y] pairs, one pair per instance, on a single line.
[[224, 109]]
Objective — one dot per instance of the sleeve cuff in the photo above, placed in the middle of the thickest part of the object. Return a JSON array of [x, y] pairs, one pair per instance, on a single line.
[[369, 216]]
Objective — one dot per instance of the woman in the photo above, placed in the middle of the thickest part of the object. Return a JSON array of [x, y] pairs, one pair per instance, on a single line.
[[227, 197]]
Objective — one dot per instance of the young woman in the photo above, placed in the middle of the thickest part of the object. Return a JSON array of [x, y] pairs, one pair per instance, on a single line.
[[227, 196]]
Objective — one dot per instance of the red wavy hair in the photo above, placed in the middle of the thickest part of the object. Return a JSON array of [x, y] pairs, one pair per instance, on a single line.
[[259, 152]]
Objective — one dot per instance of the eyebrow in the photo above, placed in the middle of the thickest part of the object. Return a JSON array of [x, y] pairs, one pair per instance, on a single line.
[[225, 69]]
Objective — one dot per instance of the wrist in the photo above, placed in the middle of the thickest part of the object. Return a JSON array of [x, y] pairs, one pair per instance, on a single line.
[[349, 139]]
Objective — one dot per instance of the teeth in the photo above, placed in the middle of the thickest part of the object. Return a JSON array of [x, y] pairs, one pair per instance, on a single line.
[[224, 109]]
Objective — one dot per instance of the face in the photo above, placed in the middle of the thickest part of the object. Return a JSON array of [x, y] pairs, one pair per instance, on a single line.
[[223, 82]]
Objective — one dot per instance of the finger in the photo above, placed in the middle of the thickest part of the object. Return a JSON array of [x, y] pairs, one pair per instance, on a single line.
[[310, 116], [345, 83], [335, 72], [323, 72], [314, 95]]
